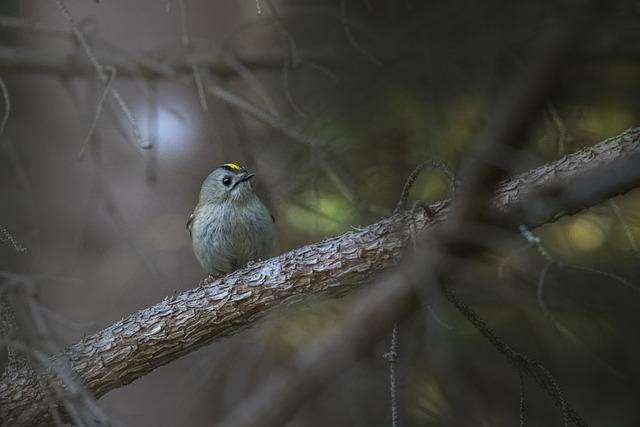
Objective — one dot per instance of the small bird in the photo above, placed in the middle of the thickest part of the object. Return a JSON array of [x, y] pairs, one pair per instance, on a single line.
[[230, 225]]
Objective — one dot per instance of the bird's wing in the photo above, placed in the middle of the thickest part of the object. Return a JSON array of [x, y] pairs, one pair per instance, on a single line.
[[190, 222]]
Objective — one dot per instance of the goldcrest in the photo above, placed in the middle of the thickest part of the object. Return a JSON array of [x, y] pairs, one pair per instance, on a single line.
[[230, 225]]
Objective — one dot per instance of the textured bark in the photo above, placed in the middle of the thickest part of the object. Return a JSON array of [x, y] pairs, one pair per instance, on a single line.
[[140, 343]]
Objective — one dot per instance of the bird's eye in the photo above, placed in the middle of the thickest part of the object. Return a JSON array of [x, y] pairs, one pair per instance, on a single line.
[[226, 181]]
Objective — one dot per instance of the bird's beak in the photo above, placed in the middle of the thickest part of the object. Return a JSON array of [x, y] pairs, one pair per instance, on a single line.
[[243, 178], [246, 177]]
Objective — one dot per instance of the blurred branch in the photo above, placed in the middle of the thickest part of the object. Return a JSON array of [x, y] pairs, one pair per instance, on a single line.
[[7, 105], [140, 66], [8, 240], [58, 386], [150, 338], [100, 71], [186, 42], [137, 65], [143, 66], [128, 64], [490, 160], [25, 60]]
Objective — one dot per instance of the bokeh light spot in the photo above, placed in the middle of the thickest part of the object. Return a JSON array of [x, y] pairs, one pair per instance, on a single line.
[[172, 132], [327, 214], [585, 234]]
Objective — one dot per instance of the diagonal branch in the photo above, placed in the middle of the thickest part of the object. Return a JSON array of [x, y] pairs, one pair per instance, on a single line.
[[275, 402], [155, 336]]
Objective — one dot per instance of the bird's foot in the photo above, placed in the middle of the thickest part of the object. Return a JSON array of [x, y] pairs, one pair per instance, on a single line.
[[211, 278]]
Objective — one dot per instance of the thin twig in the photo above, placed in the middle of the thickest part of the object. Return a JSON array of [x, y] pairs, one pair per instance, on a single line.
[[79, 404], [335, 178], [537, 243], [401, 206], [291, 60], [522, 398], [434, 164], [555, 388], [625, 225], [286, 67], [7, 105], [186, 42], [531, 367], [560, 127], [152, 133], [347, 31], [621, 280], [565, 331], [8, 240], [291, 43], [540, 290], [202, 96], [248, 108], [392, 358], [254, 83], [100, 71], [437, 318], [98, 112]]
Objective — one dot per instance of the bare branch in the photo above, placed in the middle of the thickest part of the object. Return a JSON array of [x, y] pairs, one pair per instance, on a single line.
[[100, 70], [347, 31], [392, 358], [8, 240], [186, 42], [33, 61], [402, 202], [283, 393], [248, 76], [140, 343], [7, 105], [625, 226], [98, 112]]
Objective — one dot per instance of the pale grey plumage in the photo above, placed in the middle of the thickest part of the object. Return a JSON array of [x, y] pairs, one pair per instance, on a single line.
[[230, 225]]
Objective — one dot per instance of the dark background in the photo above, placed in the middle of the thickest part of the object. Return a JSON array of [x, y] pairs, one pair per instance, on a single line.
[[375, 87]]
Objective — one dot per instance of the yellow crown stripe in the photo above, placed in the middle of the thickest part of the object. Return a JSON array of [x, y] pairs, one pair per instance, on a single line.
[[232, 166]]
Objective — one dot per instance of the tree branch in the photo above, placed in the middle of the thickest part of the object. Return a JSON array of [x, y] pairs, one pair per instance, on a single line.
[[395, 295], [135, 65], [150, 338], [25, 60], [280, 396]]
